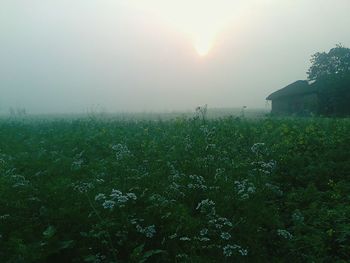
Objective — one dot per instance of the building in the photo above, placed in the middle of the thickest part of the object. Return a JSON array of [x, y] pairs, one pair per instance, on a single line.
[[298, 98]]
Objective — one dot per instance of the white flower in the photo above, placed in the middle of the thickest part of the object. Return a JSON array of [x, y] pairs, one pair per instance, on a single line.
[[284, 233], [148, 231], [206, 206], [203, 232], [83, 187], [173, 236], [121, 151], [116, 193], [243, 251], [3, 217], [258, 148], [298, 216], [228, 250], [131, 196], [108, 204], [100, 197], [244, 188], [225, 235]]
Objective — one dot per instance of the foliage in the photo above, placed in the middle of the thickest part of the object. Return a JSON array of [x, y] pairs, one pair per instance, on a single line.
[[334, 94], [336, 61], [184, 190]]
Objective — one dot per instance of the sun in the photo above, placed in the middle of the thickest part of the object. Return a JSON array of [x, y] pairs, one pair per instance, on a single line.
[[200, 20], [203, 46], [202, 49]]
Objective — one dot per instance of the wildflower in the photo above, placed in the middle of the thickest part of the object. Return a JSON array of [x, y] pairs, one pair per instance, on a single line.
[[173, 236], [224, 221], [133, 221], [243, 252], [298, 216], [218, 226], [244, 188], [131, 196], [108, 204], [121, 151], [83, 187], [270, 165], [203, 232], [225, 235], [76, 164], [148, 231], [220, 173], [100, 197], [258, 148], [122, 199], [228, 250], [100, 181], [198, 182], [206, 207], [3, 217], [115, 193], [284, 233]]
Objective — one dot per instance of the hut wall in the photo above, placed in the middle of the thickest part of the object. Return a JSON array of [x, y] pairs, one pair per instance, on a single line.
[[302, 104]]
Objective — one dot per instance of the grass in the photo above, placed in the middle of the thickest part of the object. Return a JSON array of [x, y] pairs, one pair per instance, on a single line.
[[175, 190]]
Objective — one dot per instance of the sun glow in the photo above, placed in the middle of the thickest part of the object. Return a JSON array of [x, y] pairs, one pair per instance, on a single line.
[[200, 20], [202, 48]]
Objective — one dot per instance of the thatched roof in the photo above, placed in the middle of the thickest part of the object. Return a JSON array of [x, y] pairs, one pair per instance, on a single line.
[[300, 87]]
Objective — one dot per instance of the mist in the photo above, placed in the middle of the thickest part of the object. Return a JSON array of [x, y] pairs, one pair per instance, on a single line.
[[68, 56]]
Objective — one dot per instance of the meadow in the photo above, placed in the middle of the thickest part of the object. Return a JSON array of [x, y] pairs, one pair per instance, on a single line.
[[183, 189]]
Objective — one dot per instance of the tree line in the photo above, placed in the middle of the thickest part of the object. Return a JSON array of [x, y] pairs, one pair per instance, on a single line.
[[330, 73]]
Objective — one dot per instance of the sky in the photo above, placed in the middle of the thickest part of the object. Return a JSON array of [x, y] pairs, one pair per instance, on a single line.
[[64, 56]]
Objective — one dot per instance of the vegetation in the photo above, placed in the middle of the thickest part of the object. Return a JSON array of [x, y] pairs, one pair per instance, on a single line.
[[335, 62], [331, 71], [183, 190]]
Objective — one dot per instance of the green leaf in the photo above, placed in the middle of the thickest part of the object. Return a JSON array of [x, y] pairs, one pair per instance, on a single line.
[[49, 232], [66, 244]]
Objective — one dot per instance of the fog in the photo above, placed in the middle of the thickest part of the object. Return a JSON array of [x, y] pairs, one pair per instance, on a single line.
[[64, 56]]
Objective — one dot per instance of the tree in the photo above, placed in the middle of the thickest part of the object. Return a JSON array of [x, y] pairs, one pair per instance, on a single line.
[[334, 94], [335, 62]]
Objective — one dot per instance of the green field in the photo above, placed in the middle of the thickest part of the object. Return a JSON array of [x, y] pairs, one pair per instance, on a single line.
[[175, 190]]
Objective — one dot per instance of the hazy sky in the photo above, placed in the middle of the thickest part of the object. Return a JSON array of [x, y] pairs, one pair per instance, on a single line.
[[145, 55]]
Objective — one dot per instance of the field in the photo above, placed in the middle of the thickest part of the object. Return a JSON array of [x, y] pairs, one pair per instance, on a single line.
[[175, 190]]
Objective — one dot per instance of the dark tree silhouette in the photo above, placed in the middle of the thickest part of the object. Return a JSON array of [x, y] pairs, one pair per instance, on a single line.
[[336, 61], [334, 94]]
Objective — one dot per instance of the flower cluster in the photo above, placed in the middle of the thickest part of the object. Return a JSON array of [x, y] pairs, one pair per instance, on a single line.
[[197, 182], [83, 187], [220, 173], [78, 161], [229, 250], [259, 148], [284, 233], [244, 189], [117, 198], [148, 231], [121, 151], [206, 207], [298, 216], [264, 167]]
